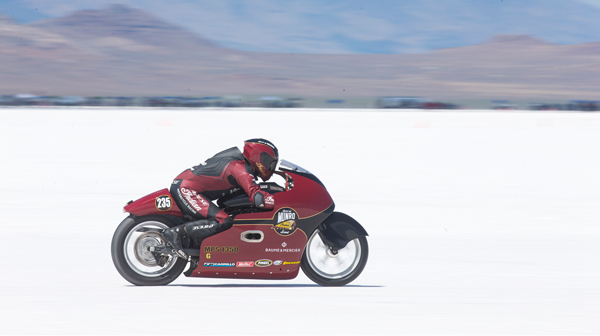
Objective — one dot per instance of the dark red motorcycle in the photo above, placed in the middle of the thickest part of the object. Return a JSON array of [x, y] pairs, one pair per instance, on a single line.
[[302, 231]]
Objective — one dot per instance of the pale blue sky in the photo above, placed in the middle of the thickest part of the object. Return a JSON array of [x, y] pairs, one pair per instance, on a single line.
[[591, 2], [338, 26], [31, 10]]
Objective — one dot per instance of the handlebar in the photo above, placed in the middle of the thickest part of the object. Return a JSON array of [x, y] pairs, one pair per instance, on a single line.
[[244, 201]]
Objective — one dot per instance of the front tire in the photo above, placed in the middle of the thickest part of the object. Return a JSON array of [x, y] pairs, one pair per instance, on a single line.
[[326, 268], [130, 253]]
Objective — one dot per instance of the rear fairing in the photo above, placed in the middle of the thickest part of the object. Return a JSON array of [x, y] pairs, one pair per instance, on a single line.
[[157, 203]]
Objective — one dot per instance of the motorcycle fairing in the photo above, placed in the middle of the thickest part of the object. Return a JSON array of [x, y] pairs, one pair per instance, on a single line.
[[278, 253], [283, 250], [272, 256], [308, 197], [154, 204], [339, 229], [308, 204]]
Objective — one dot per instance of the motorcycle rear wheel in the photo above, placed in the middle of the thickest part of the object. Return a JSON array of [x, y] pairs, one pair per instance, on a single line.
[[132, 257], [327, 268]]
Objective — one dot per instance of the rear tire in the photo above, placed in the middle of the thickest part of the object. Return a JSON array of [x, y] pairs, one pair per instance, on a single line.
[[329, 269], [130, 253]]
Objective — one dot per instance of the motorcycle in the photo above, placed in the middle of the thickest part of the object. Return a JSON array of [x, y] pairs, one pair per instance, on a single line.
[[303, 231]]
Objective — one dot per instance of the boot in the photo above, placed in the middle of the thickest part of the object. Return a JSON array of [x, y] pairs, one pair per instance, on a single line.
[[202, 228], [173, 237]]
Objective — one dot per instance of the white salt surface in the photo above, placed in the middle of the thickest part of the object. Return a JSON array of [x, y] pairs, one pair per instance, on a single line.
[[479, 222]]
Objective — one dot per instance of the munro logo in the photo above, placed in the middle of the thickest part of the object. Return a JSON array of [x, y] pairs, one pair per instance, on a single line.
[[285, 214], [286, 222]]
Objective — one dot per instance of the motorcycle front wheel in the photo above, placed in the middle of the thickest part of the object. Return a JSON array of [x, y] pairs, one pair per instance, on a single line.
[[131, 254], [334, 268]]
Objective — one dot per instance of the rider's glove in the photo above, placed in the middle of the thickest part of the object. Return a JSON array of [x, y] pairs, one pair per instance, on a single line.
[[263, 200]]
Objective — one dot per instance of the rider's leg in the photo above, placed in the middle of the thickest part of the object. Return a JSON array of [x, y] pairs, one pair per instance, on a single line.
[[210, 219], [200, 229]]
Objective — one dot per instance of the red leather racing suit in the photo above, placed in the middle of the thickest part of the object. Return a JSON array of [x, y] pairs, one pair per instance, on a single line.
[[222, 175]]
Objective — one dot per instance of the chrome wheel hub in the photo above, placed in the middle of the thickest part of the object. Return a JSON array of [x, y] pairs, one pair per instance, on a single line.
[[143, 246], [329, 263], [137, 246]]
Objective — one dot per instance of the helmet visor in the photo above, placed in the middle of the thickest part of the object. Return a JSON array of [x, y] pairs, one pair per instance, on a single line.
[[268, 161]]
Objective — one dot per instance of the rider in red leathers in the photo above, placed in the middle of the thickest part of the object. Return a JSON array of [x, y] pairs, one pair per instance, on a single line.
[[228, 172]]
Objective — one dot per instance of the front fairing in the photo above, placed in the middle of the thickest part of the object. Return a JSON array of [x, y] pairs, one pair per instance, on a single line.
[[282, 232], [289, 167], [308, 196]]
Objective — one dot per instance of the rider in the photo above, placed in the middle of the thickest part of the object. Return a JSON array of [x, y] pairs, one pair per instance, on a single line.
[[226, 173]]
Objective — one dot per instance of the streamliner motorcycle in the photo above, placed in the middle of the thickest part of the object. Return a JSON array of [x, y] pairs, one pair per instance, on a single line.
[[302, 231]]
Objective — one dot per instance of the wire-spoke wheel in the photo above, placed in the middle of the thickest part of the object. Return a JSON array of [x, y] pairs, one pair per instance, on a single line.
[[334, 268], [131, 253]]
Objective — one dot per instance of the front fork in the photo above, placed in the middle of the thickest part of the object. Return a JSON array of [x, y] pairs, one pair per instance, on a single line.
[[332, 250]]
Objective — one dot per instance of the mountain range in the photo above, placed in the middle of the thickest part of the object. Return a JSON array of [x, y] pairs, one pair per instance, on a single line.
[[350, 26], [121, 50], [388, 26]]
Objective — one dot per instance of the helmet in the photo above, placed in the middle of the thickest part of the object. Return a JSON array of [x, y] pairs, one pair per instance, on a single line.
[[262, 155]]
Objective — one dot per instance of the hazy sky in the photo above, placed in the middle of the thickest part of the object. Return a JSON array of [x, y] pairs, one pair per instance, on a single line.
[[591, 2], [51, 8], [308, 25]]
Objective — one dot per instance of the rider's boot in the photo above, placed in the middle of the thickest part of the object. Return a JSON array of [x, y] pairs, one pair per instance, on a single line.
[[200, 229], [173, 237]]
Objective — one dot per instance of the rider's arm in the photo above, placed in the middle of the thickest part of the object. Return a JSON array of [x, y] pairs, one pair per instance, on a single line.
[[245, 179]]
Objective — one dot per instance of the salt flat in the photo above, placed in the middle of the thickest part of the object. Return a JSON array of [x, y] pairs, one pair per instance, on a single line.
[[480, 222]]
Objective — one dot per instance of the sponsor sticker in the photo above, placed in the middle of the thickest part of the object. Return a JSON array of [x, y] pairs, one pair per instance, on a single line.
[[277, 262], [282, 250], [244, 264], [200, 227], [263, 170], [291, 262], [224, 249], [219, 264], [163, 203], [269, 200], [193, 198], [285, 221], [263, 263]]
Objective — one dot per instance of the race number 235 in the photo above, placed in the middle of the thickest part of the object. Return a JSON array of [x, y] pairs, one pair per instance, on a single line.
[[163, 203]]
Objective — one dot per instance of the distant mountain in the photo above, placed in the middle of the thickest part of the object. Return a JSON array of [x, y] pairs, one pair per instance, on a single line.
[[125, 51], [382, 26], [29, 42], [126, 28], [5, 20], [351, 26]]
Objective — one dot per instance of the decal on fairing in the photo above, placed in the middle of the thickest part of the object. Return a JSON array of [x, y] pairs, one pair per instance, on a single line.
[[245, 264], [224, 249], [284, 244], [219, 264], [163, 203], [279, 250], [285, 221], [263, 263]]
